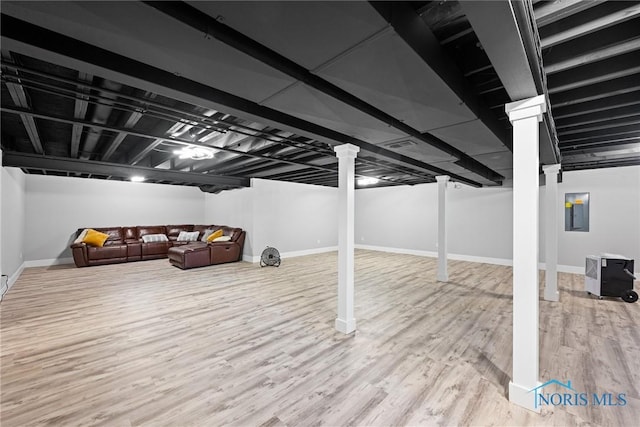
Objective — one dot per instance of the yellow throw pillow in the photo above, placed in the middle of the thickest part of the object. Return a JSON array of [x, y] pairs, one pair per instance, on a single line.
[[95, 238], [214, 235]]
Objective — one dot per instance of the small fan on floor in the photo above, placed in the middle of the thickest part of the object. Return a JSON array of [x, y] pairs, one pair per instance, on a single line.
[[270, 256]]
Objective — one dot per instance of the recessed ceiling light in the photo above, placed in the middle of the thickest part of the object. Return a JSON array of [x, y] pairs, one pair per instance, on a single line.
[[195, 153], [368, 181], [137, 178]]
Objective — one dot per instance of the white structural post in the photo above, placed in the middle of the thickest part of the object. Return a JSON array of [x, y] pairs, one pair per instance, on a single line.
[[443, 275], [551, 233], [525, 116], [346, 153]]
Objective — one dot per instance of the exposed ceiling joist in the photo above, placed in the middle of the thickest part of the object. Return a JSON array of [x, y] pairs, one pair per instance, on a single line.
[[19, 98], [596, 72], [572, 60], [79, 112], [113, 146], [599, 23], [595, 91], [501, 27], [150, 135], [62, 164], [417, 34], [200, 21], [549, 12], [20, 36]]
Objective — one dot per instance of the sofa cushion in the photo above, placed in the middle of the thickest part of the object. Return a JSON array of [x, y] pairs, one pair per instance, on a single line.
[[151, 229], [201, 228], [115, 235], [152, 238], [205, 234], [95, 238], [130, 234], [214, 235], [188, 236], [81, 236], [173, 231]]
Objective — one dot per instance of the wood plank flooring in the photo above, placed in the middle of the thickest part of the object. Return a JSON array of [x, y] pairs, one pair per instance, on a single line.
[[148, 344]]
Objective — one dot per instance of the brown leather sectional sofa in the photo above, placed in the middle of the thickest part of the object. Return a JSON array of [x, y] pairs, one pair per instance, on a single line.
[[125, 244]]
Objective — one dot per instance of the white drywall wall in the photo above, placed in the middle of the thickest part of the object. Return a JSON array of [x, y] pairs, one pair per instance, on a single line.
[[57, 206], [13, 221], [480, 220], [235, 209], [614, 211], [288, 216]]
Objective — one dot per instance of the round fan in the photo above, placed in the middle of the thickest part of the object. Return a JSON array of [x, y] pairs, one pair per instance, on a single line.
[[270, 256]]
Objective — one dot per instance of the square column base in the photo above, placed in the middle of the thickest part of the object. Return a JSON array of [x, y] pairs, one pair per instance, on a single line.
[[522, 396], [551, 295], [443, 277], [346, 326]]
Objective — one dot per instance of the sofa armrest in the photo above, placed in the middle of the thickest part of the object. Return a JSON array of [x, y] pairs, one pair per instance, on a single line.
[[80, 256]]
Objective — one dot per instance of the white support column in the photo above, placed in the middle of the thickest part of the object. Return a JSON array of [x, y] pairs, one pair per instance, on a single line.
[[346, 153], [443, 274], [551, 232], [525, 116]]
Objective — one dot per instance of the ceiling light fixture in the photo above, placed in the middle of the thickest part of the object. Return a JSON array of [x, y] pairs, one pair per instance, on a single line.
[[195, 153], [137, 178], [368, 181]]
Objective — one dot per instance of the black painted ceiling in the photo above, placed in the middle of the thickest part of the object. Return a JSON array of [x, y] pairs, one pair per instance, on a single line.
[[113, 89]]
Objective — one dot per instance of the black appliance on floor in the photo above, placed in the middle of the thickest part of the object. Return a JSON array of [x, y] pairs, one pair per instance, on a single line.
[[610, 275]]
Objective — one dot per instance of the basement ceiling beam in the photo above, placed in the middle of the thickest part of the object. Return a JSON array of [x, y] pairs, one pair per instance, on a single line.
[[599, 23], [627, 99], [605, 147], [573, 59], [19, 98], [79, 112], [596, 72], [159, 138], [630, 137], [600, 116], [596, 91], [200, 21], [22, 36], [502, 26], [418, 36], [549, 12], [62, 164], [113, 146]]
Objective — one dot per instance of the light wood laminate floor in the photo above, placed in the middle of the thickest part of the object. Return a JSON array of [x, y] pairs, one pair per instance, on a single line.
[[148, 344]]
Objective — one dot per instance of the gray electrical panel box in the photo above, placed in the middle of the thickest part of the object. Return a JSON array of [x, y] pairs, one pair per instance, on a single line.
[[576, 212]]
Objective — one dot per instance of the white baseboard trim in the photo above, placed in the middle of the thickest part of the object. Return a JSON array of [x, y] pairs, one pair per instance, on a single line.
[[398, 250], [484, 260], [14, 277], [293, 254], [430, 254], [48, 262], [250, 258], [305, 252]]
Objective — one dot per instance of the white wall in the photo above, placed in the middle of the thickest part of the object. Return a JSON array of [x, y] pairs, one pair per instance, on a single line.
[[614, 212], [13, 222], [235, 209], [479, 220], [294, 218], [397, 217], [57, 206]]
